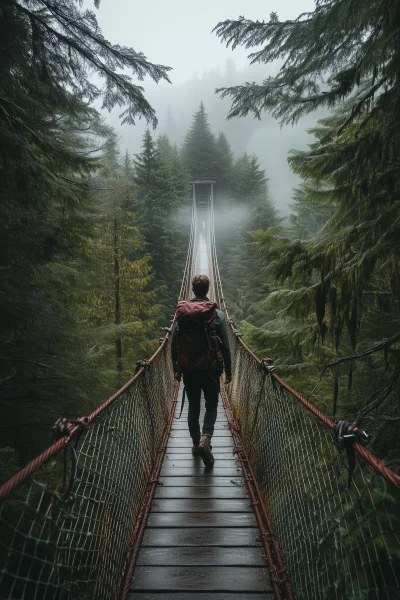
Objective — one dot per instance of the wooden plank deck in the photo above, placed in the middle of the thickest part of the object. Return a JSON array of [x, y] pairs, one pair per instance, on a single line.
[[201, 539]]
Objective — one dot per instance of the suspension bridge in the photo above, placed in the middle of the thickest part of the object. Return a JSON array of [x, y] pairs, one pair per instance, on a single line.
[[118, 508]]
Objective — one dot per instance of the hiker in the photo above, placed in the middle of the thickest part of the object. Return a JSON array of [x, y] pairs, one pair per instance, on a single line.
[[200, 352]]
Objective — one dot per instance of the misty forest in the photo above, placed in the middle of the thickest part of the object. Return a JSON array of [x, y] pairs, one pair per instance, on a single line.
[[93, 238], [96, 200]]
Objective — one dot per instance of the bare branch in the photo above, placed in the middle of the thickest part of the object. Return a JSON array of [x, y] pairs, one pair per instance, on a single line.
[[380, 346]]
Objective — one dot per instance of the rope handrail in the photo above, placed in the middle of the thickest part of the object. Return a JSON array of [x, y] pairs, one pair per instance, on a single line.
[[389, 475], [74, 431]]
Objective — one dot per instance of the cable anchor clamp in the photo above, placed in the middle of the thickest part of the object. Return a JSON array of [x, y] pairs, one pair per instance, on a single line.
[[62, 427], [142, 364], [267, 365], [344, 434]]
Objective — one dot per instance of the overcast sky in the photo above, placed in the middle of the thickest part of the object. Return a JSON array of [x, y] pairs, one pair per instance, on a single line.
[[177, 33]]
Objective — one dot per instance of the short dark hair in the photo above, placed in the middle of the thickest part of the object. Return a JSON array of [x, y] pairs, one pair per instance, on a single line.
[[201, 285]]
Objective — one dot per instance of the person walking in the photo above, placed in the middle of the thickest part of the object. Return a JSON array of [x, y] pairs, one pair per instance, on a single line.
[[200, 353]]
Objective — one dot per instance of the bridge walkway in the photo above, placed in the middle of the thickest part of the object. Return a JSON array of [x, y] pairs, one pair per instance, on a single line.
[[202, 538]]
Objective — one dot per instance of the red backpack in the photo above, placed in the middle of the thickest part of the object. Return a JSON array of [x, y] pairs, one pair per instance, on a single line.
[[198, 344]]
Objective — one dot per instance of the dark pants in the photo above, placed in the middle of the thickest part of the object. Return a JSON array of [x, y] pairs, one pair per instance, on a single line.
[[195, 382]]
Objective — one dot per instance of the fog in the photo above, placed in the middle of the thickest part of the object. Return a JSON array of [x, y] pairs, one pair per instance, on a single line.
[[178, 34]]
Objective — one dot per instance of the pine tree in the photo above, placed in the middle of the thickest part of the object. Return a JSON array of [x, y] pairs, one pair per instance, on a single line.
[[198, 150], [50, 151], [338, 289], [150, 189], [356, 247], [246, 283], [251, 189], [127, 167], [223, 166], [119, 304], [61, 43], [340, 49], [164, 148], [308, 217], [171, 159], [343, 53], [158, 190]]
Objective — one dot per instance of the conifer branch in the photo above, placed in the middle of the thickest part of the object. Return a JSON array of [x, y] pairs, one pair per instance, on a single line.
[[380, 346], [377, 398]]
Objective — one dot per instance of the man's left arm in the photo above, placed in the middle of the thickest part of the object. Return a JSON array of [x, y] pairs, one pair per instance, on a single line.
[[225, 349]]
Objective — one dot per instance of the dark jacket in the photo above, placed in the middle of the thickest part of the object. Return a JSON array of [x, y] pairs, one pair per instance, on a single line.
[[222, 333]]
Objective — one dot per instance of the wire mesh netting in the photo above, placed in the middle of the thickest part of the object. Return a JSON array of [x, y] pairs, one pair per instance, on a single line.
[[337, 541], [64, 532]]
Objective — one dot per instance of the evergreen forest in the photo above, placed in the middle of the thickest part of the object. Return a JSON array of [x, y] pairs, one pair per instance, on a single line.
[[94, 241], [87, 230], [319, 292]]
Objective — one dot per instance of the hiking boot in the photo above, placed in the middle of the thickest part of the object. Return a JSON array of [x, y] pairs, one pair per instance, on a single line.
[[205, 451], [195, 450]]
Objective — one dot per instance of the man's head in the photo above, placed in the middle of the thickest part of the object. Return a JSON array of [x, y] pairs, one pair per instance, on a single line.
[[200, 285]]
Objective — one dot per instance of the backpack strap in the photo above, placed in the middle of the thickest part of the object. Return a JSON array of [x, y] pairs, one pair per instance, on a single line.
[[183, 403]]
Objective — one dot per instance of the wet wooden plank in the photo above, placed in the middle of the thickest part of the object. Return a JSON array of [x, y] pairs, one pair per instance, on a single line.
[[186, 452], [221, 418], [184, 433], [204, 519], [183, 460], [202, 491], [183, 427], [194, 462], [180, 425], [193, 595], [185, 443], [206, 557], [187, 456], [201, 536], [198, 469], [201, 505], [226, 579], [220, 414], [204, 479]]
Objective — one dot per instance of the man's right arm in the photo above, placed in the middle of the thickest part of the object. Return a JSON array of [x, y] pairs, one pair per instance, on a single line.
[[174, 347]]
